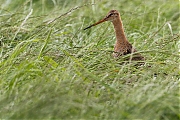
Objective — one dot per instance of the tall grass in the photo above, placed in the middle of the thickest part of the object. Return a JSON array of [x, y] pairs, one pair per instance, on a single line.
[[51, 69]]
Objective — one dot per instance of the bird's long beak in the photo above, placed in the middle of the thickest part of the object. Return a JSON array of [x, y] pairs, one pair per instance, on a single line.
[[101, 21]]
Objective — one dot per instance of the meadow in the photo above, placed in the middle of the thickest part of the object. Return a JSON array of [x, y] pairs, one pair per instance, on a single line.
[[50, 68]]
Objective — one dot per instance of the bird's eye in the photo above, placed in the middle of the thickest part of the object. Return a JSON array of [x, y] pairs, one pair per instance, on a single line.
[[110, 14]]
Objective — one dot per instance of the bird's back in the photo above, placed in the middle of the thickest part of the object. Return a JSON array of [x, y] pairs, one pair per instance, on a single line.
[[125, 49]]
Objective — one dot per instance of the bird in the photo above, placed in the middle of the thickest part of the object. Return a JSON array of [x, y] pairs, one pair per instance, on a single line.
[[122, 46]]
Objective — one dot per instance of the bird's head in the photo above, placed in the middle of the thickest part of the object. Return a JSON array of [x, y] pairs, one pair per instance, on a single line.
[[111, 16]]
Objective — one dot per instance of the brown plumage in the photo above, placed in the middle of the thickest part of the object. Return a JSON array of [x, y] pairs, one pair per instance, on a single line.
[[122, 46]]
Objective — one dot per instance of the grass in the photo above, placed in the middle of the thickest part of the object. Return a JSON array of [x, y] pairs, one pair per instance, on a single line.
[[51, 69]]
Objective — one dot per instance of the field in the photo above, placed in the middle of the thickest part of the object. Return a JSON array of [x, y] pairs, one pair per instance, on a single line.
[[50, 68]]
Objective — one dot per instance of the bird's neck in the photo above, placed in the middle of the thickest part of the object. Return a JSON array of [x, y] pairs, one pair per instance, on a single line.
[[120, 35]]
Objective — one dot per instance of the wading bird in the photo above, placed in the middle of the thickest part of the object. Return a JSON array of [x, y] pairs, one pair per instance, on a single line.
[[122, 46]]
